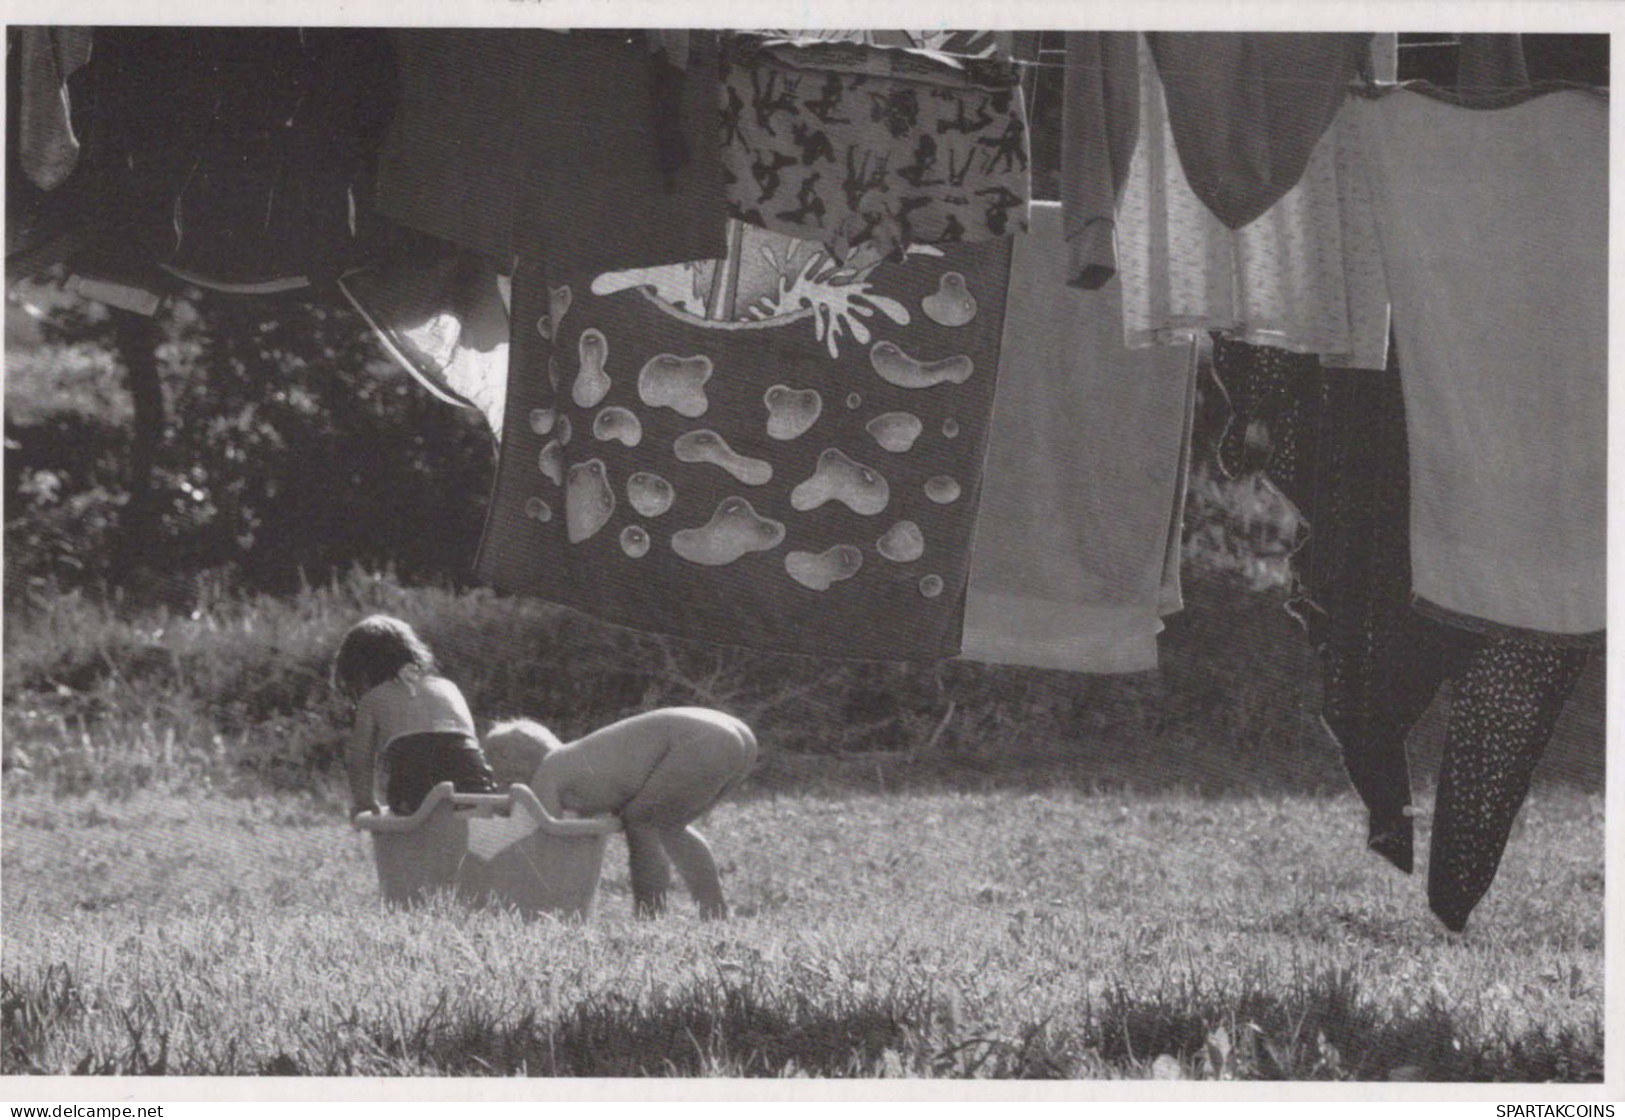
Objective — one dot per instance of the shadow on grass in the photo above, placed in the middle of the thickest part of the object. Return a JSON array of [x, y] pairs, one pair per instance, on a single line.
[[1326, 1030], [1323, 1028]]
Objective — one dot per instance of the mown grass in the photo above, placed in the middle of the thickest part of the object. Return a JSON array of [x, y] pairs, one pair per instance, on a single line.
[[998, 934]]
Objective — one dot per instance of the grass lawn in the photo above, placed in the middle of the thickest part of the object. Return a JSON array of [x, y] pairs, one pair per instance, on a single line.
[[1005, 933]]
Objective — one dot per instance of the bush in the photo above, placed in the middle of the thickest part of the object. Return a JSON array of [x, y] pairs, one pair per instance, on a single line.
[[294, 447]]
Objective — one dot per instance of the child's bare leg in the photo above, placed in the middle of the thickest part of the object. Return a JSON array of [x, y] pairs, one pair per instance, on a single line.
[[695, 863], [651, 873], [706, 754]]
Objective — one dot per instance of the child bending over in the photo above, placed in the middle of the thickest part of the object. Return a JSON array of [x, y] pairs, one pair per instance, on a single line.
[[657, 771], [407, 716]]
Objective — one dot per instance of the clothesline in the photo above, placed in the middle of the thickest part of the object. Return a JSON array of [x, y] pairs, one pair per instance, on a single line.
[[1027, 64], [1038, 64]]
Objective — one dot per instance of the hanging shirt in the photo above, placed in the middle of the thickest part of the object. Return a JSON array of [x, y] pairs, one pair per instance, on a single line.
[[1494, 234], [1084, 487], [1247, 110], [582, 145], [847, 143], [1306, 276], [772, 450]]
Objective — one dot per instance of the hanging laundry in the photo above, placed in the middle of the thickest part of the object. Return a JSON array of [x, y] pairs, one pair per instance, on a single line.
[[1385, 56], [235, 157], [772, 450], [1099, 129], [47, 57], [847, 144], [1505, 340], [1084, 486], [1306, 276], [1504, 709], [447, 165], [1247, 110], [577, 146], [1339, 453], [1490, 63], [42, 225], [967, 44], [439, 312]]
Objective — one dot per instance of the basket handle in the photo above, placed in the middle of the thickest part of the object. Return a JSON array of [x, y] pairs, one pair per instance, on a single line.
[[481, 800], [518, 798]]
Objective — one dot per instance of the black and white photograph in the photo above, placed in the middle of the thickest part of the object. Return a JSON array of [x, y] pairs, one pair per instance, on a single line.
[[542, 556]]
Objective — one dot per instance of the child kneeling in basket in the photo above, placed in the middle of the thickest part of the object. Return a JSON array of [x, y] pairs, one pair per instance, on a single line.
[[407, 716]]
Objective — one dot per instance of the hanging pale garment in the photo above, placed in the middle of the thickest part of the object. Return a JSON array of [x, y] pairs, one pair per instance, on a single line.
[[1306, 276], [848, 144], [1084, 485], [770, 450], [441, 315], [1494, 234]]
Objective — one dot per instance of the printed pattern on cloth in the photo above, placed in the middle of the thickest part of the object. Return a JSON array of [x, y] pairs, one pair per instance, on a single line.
[[1306, 276], [1083, 492], [971, 44], [772, 450], [1506, 346], [845, 143], [1501, 718]]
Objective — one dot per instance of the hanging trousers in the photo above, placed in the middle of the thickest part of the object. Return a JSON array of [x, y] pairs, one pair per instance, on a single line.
[[1334, 442]]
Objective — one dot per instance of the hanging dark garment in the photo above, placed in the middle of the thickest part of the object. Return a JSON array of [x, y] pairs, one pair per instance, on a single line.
[[43, 225], [239, 158], [1100, 127], [583, 146], [46, 58], [1248, 109], [1501, 719], [1335, 443]]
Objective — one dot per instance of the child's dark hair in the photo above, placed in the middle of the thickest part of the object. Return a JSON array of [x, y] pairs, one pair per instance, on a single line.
[[376, 649]]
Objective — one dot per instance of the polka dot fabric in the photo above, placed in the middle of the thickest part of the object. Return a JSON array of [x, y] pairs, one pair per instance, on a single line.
[[1501, 719]]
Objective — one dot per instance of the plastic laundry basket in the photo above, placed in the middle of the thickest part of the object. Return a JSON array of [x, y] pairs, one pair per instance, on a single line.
[[490, 847]]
